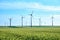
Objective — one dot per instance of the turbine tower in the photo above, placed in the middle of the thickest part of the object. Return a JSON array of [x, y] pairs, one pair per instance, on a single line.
[[5, 24], [52, 20], [10, 21], [22, 21], [31, 18], [39, 21]]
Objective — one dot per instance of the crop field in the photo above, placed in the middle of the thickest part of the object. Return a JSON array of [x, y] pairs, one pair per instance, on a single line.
[[28, 33]]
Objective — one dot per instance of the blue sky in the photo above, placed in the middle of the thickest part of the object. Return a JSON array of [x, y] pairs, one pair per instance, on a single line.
[[43, 9]]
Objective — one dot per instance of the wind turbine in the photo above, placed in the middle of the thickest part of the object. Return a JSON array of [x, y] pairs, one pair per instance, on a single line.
[[31, 18], [5, 24], [39, 21], [10, 21], [22, 21], [52, 20]]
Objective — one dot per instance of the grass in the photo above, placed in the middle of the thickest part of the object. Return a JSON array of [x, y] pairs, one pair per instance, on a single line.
[[28, 33]]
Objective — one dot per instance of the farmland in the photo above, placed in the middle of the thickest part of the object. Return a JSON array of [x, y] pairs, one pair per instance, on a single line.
[[28, 33]]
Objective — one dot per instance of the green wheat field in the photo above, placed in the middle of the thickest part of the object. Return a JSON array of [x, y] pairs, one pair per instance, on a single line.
[[30, 33]]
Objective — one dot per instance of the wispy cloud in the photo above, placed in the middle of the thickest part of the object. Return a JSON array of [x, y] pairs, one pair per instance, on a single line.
[[22, 5]]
